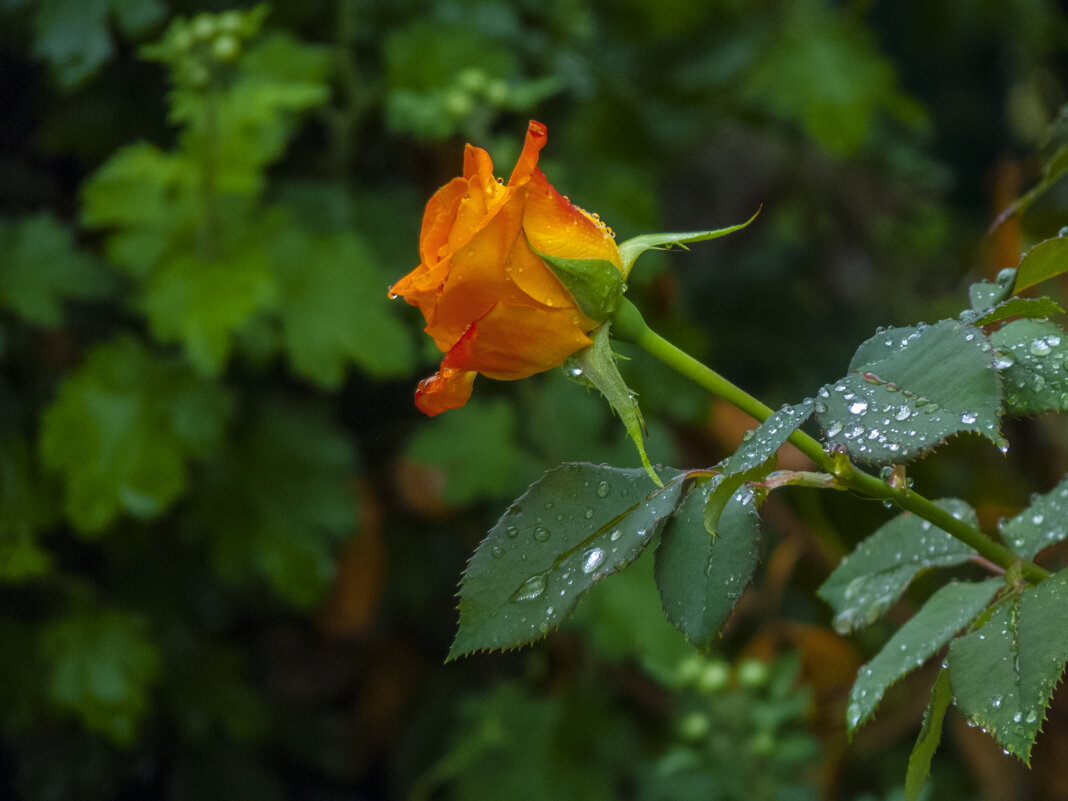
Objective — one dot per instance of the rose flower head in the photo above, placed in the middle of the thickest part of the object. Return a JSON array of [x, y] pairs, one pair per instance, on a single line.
[[490, 299]]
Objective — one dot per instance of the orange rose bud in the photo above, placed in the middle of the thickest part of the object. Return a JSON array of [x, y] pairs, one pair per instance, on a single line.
[[490, 301]]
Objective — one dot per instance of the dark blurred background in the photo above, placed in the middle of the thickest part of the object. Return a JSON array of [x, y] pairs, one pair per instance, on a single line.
[[229, 543]]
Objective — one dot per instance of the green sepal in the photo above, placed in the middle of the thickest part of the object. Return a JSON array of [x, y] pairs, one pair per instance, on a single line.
[[596, 284], [630, 250], [597, 364]]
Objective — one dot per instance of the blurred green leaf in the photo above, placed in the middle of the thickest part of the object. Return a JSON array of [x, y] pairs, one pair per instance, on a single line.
[[275, 503], [511, 744], [909, 389], [202, 303], [101, 667], [944, 614], [868, 581], [122, 430], [474, 447], [701, 576], [1003, 674], [821, 70], [40, 268], [577, 524], [148, 199], [27, 506], [333, 309], [74, 35]]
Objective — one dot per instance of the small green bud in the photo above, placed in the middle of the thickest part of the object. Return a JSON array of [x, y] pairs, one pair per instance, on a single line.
[[471, 79], [714, 677], [752, 673], [457, 103], [497, 92], [694, 726], [226, 48], [203, 26]]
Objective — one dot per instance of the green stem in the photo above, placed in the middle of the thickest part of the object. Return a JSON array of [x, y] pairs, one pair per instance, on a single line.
[[628, 325]]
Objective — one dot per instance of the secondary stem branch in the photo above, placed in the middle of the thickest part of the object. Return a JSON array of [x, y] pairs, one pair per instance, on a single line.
[[628, 324]]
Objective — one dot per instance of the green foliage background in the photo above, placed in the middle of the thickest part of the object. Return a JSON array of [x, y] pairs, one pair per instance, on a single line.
[[229, 543]]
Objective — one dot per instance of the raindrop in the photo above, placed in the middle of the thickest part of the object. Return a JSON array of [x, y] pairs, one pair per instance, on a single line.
[[858, 407], [1003, 361], [498, 552], [592, 560], [603, 488], [531, 588], [512, 532], [1040, 347], [1032, 716], [995, 701], [821, 408], [588, 513], [748, 435], [542, 534], [903, 413], [968, 418], [834, 429]]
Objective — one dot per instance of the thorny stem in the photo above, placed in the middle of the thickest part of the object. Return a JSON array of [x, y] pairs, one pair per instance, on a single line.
[[628, 325]]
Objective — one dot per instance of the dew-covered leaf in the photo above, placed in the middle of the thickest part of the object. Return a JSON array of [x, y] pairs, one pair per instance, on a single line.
[[945, 613], [701, 576], [909, 389], [1032, 356], [1044, 261], [1022, 307], [985, 294], [868, 581], [760, 444], [1042, 524], [930, 735], [577, 524], [1003, 674]]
